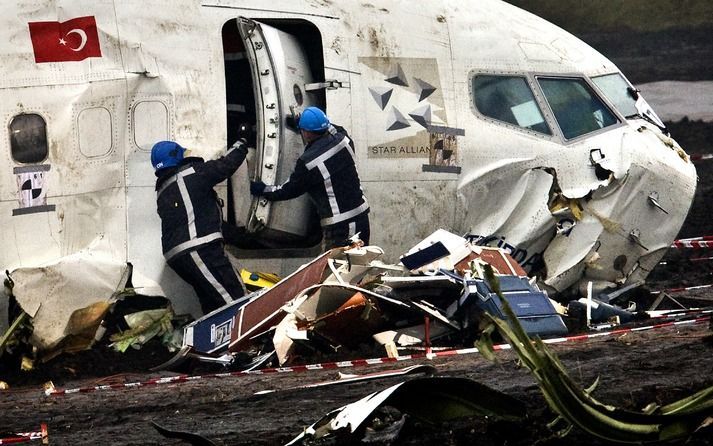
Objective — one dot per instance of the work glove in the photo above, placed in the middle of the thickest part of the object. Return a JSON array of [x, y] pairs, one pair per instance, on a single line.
[[257, 188], [240, 144], [292, 122]]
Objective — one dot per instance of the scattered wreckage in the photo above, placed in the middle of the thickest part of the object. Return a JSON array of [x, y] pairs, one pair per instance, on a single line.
[[379, 417], [347, 299], [344, 302], [445, 291]]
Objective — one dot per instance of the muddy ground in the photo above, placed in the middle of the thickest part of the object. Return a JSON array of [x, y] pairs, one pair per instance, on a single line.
[[635, 369]]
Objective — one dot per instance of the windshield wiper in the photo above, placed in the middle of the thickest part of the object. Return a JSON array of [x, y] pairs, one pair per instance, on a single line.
[[646, 118]]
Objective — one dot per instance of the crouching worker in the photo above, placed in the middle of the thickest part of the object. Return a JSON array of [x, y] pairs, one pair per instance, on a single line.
[[327, 172], [191, 219]]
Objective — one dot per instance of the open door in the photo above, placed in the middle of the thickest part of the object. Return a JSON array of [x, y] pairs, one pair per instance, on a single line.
[[280, 69]]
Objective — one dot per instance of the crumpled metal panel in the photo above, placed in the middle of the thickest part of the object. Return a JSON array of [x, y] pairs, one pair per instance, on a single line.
[[341, 316], [427, 399], [265, 310], [53, 293], [622, 234], [508, 207]]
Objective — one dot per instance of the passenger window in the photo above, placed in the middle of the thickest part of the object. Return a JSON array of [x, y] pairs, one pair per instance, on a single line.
[[94, 129], [28, 138], [150, 123], [508, 99], [577, 109], [618, 91]]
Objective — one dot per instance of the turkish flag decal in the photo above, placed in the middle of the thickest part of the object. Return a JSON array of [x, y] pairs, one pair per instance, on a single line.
[[72, 40]]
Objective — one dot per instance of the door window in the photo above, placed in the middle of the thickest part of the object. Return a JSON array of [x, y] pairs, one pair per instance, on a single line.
[[150, 123], [28, 138], [95, 132]]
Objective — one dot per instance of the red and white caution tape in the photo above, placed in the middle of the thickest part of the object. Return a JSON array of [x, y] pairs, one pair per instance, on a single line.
[[621, 331], [363, 362], [26, 437], [692, 244], [701, 156], [15, 440], [678, 290], [700, 259], [705, 241]]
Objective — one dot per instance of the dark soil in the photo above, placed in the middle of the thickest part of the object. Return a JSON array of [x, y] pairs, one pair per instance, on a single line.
[[635, 369]]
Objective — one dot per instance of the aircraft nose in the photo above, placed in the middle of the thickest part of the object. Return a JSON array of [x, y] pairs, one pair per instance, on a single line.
[[642, 210]]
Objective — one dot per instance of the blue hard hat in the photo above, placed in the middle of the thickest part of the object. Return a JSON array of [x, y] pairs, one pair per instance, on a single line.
[[166, 154], [313, 120]]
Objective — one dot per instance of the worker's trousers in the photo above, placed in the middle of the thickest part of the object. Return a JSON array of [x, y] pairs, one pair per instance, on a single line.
[[208, 270], [338, 235]]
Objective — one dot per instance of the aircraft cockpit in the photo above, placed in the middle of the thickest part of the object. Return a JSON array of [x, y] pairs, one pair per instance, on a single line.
[[574, 104]]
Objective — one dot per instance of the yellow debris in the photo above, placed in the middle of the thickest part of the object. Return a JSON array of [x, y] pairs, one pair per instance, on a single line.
[[27, 364], [258, 280]]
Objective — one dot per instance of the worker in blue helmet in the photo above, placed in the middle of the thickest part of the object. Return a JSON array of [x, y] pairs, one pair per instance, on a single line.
[[191, 219], [326, 170]]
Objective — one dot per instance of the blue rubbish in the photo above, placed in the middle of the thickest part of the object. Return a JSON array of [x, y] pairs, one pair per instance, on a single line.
[[211, 333], [532, 307]]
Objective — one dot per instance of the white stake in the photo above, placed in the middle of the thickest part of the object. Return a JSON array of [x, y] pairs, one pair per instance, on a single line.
[[589, 303]]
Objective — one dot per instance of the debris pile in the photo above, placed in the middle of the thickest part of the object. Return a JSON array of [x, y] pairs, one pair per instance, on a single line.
[[445, 293], [105, 310], [346, 303], [381, 417], [347, 300]]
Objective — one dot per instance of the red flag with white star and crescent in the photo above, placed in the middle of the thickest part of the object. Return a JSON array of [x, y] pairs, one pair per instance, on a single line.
[[73, 40]]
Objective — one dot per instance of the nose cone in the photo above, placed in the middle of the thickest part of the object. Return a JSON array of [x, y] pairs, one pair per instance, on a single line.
[[629, 224]]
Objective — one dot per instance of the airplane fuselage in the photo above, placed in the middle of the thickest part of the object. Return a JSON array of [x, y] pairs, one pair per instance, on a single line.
[[481, 119]]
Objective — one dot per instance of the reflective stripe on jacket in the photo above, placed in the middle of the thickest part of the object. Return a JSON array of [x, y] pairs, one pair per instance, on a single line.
[[188, 205], [327, 171]]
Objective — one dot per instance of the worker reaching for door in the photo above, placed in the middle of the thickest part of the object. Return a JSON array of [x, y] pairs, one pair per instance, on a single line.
[[191, 219], [327, 172]]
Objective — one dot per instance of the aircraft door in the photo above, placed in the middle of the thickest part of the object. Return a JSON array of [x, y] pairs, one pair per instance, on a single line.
[[280, 70]]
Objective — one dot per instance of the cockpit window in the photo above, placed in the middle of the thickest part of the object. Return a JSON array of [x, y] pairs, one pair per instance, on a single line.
[[618, 91], [577, 109], [508, 99]]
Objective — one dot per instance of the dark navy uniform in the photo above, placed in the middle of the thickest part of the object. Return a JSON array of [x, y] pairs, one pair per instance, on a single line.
[[191, 219], [327, 172]]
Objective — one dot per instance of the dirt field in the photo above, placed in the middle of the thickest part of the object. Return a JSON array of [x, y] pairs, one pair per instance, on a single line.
[[635, 369]]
